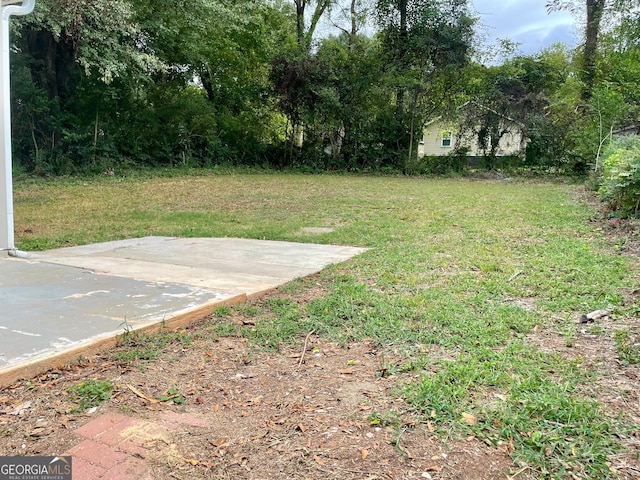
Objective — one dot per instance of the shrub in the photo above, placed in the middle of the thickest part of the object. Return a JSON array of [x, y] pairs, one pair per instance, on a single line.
[[620, 186], [455, 162]]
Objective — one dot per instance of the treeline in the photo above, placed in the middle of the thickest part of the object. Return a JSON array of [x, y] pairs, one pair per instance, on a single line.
[[102, 84]]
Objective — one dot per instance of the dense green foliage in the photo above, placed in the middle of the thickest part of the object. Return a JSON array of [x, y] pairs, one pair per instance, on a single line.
[[621, 175], [102, 84]]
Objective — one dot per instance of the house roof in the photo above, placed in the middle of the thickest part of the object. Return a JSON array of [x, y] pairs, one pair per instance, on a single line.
[[484, 107]]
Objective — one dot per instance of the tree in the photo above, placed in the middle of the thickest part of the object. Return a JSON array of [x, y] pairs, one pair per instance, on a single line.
[[353, 102], [615, 11], [355, 13], [304, 30], [63, 46], [606, 96], [157, 81], [98, 36], [427, 45], [515, 97]]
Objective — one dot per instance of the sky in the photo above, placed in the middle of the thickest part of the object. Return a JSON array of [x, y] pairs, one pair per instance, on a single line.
[[526, 22]]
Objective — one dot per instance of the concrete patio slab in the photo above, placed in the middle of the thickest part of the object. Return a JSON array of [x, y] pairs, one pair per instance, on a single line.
[[58, 304]]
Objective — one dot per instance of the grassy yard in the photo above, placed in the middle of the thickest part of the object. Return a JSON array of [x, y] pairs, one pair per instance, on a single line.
[[478, 285]]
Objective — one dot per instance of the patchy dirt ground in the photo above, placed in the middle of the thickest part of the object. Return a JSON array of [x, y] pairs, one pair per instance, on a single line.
[[617, 386], [263, 416]]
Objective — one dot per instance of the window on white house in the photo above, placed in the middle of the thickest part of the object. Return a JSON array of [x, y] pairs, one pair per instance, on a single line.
[[445, 140]]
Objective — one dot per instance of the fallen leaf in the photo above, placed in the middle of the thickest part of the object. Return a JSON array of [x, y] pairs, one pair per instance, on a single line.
[[469, 418], [192, 461], [317, 460], [20, 409], [38, 432], [260, 435], [433, 468], [364, 453], [302, 428], [220, 442], [346, 371], [141, 395]]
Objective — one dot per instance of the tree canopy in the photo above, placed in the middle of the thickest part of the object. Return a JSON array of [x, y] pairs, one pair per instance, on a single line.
[[330, 84]]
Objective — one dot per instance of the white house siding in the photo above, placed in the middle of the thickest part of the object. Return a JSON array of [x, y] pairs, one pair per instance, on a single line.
[[431, 145]]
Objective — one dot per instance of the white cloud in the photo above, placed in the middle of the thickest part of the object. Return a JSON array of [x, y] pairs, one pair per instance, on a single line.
[[526, 22]]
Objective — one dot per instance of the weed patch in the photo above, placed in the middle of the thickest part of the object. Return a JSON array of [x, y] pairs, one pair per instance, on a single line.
[[89, 393], [628, 345]]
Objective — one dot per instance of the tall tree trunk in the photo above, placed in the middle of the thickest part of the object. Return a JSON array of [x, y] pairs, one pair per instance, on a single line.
[[401, 51], [354, 23], [300, 36], [595, 10], [55, 62], [205, 78]]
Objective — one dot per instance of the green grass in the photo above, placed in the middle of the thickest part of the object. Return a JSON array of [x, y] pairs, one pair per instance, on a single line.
[[458, 274], [89, 393], [628, 344], [147, 347]]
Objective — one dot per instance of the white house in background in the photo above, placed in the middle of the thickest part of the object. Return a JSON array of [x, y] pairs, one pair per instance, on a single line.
[[441, 137]]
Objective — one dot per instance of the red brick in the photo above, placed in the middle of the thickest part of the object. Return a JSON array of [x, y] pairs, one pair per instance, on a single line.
[[130, 469], [97, 454], [117, 433], [134, 447], [83, 470], [97, 426]]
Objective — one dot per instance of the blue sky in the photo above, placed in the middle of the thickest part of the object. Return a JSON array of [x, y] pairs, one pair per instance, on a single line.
[[523, 21], [526, 22]]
